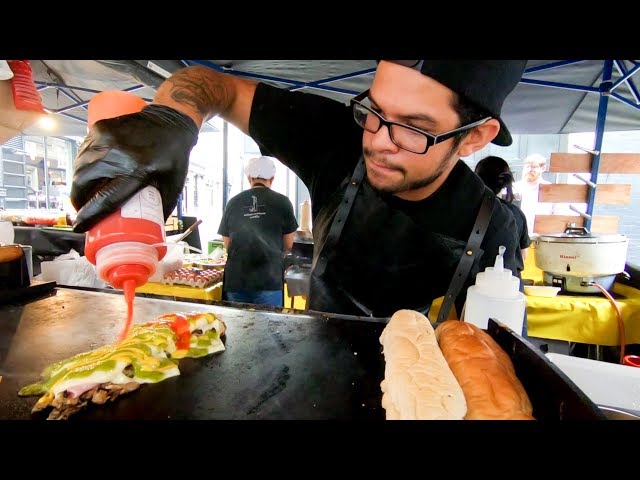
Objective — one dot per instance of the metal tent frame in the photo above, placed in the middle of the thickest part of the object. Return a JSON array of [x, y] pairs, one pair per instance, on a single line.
[[604, 85]]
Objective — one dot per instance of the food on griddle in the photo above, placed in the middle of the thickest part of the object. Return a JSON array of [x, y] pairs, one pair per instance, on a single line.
[[48, 221], [485, 373], [149, 354], [455, 372], [418, 383], [15, 219]]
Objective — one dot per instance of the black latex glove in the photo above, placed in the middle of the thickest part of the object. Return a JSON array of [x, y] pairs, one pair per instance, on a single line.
[[120, 156]]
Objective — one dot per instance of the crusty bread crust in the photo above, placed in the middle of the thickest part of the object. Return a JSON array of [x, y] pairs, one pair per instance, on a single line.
[[418, 383], [9, 253], [485, 372]]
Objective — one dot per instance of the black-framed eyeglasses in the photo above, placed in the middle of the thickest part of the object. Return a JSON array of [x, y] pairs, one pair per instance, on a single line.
[[404, 136]]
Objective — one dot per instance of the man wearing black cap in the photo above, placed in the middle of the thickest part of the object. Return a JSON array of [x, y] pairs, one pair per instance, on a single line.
[[399, 220]]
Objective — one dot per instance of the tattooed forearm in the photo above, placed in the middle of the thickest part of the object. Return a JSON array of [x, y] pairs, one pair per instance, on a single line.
[[201, 89], [201, 93]]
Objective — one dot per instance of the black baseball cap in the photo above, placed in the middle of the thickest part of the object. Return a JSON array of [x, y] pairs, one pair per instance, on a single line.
[[486, 83]]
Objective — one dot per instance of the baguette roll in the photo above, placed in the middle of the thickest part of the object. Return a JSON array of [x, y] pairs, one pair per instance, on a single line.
[[418, 383], [485, 372]]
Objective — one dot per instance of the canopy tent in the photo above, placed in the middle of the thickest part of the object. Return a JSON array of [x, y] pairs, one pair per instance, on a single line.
[[553, 97]]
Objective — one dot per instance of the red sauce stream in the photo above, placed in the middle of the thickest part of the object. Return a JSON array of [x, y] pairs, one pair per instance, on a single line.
[[129, 288]]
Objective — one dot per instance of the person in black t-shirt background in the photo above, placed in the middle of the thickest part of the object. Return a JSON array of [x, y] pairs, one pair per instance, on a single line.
[[496, 174], [387, 185], [257, 228]]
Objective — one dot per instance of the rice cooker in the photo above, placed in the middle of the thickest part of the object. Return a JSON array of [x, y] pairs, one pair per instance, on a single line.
[[574, 259]]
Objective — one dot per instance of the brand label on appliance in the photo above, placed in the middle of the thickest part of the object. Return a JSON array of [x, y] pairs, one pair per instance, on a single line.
[[569, 256], [146, 204]]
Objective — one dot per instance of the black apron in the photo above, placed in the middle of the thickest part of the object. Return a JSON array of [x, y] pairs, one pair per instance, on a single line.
[[325, 292]]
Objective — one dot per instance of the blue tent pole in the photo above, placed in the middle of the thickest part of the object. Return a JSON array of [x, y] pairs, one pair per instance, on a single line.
[[225, 164], [605, 92]]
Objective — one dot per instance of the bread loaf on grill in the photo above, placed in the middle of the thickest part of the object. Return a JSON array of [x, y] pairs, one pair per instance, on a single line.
[[418, 383], [485, 372]]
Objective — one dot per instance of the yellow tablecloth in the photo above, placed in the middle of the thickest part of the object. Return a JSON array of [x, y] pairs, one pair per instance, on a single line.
[[579, 318], [576, 318], [214, 292], [585, 319]]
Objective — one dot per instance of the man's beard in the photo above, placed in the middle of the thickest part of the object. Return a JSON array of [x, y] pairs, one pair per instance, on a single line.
[[532, 177], [406, 185]]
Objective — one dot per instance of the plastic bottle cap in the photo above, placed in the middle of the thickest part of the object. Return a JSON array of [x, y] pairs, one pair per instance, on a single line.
[[498, 265], [112, 103], [123, 261], [125, 274], [497, 281]]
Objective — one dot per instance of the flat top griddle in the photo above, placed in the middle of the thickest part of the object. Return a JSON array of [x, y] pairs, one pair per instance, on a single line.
[[276, 365]]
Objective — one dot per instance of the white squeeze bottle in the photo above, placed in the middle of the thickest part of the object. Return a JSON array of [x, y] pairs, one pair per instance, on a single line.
[[496, 295]]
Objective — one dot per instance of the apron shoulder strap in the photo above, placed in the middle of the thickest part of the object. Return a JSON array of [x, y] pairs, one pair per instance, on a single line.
[[341, 217], [469, 255]]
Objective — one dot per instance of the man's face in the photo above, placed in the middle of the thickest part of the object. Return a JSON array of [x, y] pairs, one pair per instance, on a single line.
[[406, 96], [532, 170]]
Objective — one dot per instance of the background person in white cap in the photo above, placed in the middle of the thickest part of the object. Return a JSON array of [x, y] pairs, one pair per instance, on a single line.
[[257, 228], [398, 218]]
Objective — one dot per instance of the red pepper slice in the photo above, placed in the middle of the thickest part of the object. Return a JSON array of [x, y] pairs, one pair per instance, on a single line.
[[180, 325]]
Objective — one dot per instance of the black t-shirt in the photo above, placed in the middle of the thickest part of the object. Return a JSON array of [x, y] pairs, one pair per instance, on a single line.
[[392, 253], [523, 238], [255, 220]]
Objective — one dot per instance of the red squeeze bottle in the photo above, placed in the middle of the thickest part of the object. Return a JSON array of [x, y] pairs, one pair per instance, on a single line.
[[123, 246], [25, 93]]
